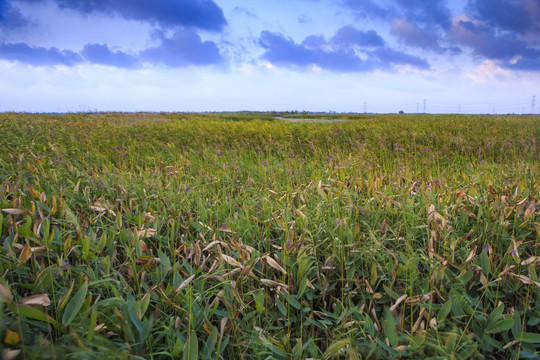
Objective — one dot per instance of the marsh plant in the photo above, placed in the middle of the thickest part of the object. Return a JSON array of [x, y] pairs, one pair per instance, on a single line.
[[221, 236]]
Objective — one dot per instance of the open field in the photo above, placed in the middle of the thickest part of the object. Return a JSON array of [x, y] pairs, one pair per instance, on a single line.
[[241, 236]]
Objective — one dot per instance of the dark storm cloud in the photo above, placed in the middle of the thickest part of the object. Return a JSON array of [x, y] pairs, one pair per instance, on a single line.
[[184, 48], [394, 57], [509, 48], [519, 16], [337, 54], [101, 54], [417, 23], [202, 14], [350, 36], [486, 42], [38, 56], [411, 34], [282, 51], [369, 8], [10, 17], [432, 12], [525, 64]]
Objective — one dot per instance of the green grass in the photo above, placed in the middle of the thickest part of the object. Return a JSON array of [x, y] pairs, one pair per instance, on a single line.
[[240, 236]]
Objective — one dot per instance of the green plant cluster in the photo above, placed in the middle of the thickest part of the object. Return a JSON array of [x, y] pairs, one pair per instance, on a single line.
[[237, 235]]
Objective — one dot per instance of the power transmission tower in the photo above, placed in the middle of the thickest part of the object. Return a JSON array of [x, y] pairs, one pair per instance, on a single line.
[[365, 107], [532, 105], [424, 106]]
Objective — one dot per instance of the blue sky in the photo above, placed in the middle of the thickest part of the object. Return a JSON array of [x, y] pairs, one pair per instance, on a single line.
[[468, 56]]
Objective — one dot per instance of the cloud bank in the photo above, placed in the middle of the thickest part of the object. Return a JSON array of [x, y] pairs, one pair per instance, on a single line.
[[349, 50], [202, 14], [506, 32]]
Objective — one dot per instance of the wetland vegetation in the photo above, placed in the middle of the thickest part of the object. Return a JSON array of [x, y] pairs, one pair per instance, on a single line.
[[206, 236]]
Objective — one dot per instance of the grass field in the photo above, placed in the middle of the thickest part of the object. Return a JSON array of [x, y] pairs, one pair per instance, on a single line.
[[239, 236]]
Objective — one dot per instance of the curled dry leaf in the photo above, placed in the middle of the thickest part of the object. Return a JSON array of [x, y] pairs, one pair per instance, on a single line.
[[14, 211], [100, 328], [39, 299], [529, 211], [530, 260], [231, 261], [401, 348], [273, 263], [102, 209], [434, 218], [25, 254], [144, 247], [273, 283], [214, 243], [185, 283], [223, 325], [146, 232], [5, 294], [9, 354], [398, 301], [526, 280], [471, 255]]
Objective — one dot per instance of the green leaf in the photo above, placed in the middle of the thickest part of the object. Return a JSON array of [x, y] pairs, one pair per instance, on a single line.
[[527, 337], [1, 222], [389, 326], [353, 355], [373, 279], [495, 315], [499, 326], [281, 307], [191, 348], [74, 305], [31, 313], [44, 279], [210, 342], [335, 347], [516, 328], [46, 228], [297, 349], [85, 247], [443, 312], [258, 296], [292, 300], [484, 263]]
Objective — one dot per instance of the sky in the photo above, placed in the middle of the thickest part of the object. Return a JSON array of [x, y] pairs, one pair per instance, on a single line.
[[380, 56]]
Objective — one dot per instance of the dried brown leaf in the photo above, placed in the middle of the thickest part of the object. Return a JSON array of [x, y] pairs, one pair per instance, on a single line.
[[9, 354], [39, 299], [471, 255], [185, 283], [231, 261], [223, 325], [147, 232], [272, 283], [398, 301], [14, 211], [25, 254], [5, 294], [530, 260], [526, 280], [273, 263]]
